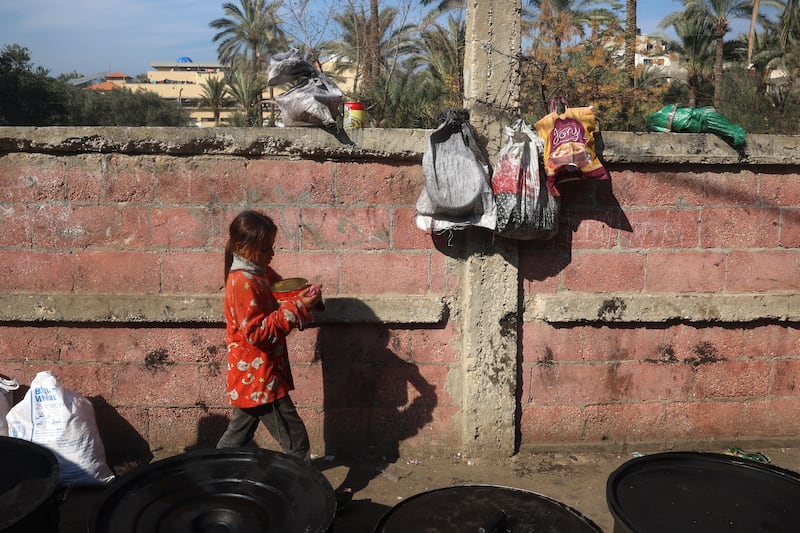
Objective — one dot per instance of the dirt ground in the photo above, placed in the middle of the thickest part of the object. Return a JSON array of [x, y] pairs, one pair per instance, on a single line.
[[577, 480]]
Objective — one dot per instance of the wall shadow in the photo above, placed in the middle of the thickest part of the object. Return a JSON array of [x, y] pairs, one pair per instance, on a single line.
[[125, 448], [581, 200], [373, 398], [209, 430], [592, 200]]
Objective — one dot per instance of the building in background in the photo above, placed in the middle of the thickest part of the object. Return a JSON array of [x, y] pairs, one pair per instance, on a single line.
[[107, 85], [653, 52], [182, 81]]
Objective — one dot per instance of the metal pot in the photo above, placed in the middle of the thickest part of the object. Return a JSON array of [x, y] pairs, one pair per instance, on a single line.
[[29, 475], [702, 492], [483, 509], [233, 490], [288, 288]]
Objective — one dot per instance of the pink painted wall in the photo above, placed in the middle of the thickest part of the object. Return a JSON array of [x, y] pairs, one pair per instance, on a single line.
[[121, 223], [662, 231], [94, 224]]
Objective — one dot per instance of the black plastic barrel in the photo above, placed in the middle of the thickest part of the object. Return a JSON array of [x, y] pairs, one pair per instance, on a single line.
[[483, 508], [209, 491], [29, 475], [702, 492]]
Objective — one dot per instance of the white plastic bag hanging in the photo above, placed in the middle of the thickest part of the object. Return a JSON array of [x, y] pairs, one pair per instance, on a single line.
[[526, 207], [457, 190], [62, 421]]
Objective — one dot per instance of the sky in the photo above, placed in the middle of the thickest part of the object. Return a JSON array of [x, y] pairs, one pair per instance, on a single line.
[[98, 36]]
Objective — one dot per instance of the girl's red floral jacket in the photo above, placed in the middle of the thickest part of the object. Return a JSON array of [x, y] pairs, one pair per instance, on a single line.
[[257, 326]]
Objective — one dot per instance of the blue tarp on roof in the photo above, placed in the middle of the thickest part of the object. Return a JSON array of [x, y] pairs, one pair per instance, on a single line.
[[184, 59]]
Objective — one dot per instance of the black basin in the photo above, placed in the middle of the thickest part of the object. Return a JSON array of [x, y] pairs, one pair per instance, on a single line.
[[209, 491], [699, 491], [486, 508], [29, 475]]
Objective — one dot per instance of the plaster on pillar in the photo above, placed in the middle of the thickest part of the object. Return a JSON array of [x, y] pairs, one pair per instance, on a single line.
[[491, 304], [491, 316]]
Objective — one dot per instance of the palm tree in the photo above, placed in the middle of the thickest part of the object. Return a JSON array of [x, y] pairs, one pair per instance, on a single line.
[[215, 96], [766, 53], [440, 52], [719, 13], [757, 18], [373, 43], [415, 100], [630, 39], [696, 45], [789, 25], [564, 18], [248, 37], [353, 48], [251, 31], [752, 33], [445, 5], [246, 90]]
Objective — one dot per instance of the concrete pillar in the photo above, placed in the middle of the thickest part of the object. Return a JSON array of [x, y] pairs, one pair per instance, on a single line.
[[492, 66], [491, 308], [491, 315]]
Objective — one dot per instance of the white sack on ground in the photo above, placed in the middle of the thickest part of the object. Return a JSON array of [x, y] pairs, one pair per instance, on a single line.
[[64, 422]]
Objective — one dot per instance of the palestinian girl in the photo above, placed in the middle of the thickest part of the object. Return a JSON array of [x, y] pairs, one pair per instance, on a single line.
[[259, 376]]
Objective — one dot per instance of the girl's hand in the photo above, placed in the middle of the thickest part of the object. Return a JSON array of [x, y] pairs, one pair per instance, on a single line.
[[311, 296]]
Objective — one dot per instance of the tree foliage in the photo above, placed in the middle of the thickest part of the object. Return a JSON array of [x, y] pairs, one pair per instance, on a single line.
[[696, 47], [411, 99], [29, 97], [215, 97], [126, 108], [440, 52], [585, 72], [579, 49], [249, 33], [247, 89]]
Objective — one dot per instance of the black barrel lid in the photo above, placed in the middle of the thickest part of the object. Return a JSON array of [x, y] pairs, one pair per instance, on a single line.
[[235, 490], [483, 508], [703, 491], [29, 474]]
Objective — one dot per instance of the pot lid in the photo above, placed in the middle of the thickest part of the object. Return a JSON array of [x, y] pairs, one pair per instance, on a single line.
[[488, 508], [29, 476], [700, 491], [235, 490]]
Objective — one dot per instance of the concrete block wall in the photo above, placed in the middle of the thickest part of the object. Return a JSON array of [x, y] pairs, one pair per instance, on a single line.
[[137, 226], [636, 365], [663, 312]]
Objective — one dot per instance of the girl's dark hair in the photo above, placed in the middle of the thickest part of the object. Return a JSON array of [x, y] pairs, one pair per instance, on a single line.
[[248, 231]]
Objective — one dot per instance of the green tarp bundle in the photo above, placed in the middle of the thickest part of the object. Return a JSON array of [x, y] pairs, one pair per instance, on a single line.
[[695, 120]]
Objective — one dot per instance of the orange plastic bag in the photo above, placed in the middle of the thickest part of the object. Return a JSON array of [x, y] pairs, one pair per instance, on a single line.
[[569, 150]]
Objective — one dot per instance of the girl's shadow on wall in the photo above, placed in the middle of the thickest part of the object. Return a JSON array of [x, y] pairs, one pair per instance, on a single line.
[[373, 398]]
